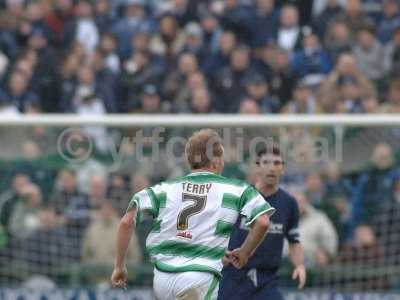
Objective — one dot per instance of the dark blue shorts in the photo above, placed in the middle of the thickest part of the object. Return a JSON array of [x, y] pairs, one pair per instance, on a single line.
[[248, 284]]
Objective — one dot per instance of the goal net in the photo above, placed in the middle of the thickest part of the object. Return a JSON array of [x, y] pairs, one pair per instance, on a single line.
[[65, 182]]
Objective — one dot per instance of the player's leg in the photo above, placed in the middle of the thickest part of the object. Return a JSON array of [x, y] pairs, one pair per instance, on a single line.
[[201, 286], [164, 284], [268, 291], [196, 286], [235, 285]]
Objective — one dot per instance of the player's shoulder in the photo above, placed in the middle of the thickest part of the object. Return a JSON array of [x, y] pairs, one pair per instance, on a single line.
[[286, 196], [204, 177]]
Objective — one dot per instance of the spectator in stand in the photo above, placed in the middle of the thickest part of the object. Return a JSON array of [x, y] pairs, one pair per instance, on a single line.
[[303, 101], [345, 71], [194, 41], [87, 84], [312, 60], [45, 79], [317, 234], [48, 246], [66, 191], [374, 186], [187, 64], [220, 59], [150, 100], [19, 93], [350, 95], [338, 195], [288, 34], [230, 82], [211, 33], [337, 40], [365, 250], [354, 17], [237, 17], [368, 53], [265, 21], [108, 47], [6, 106], [102, 15], [58, 18], [323, 18], [283, 78], [118, 193], [97, 192], [168, 40], [257, 89], [249, 106], [137, 72], [200, 102], [392, 103], [392, 54], [195, 80], [101, 251], [133, 20], [82, 28], [390, 20], [24, 218], [387, 226]]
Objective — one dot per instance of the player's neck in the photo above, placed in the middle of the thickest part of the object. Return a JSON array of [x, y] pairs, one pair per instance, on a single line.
[[267, 190], [210, 170]]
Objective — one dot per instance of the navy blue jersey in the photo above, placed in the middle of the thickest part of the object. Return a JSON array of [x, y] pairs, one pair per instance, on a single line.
[[284, 224]]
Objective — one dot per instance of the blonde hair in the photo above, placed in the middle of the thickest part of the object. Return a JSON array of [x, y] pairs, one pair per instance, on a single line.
[[198, 151]]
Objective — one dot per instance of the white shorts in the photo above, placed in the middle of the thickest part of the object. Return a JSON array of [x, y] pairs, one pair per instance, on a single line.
[[185, 286]]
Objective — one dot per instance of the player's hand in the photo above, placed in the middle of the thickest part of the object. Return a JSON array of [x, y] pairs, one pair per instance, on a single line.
[[119, 277], [300, 274], [239, 258], [226, 260]]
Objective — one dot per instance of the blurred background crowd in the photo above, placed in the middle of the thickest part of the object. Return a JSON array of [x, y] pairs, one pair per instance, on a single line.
[[181, 56], [247, 56]]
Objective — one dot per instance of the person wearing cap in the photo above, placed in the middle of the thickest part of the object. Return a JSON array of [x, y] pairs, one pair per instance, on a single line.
[[150, 101]]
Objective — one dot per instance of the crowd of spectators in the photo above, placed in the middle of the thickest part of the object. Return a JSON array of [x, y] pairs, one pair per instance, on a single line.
[[233, 56], [182, 56], [52, 217]]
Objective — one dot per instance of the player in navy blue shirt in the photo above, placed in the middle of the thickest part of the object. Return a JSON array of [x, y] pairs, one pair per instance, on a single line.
[[258, 279]]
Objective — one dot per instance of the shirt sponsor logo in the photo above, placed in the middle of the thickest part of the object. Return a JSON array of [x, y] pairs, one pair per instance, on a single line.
[[275, 228], [185, 234]]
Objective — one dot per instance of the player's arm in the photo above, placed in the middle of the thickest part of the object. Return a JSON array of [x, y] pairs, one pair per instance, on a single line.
[[296, 255], [296, 252], [124, 233], [257, 211], [258, 229]]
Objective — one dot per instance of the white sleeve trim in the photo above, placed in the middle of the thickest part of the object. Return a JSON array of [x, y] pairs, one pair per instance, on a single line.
[[270, 211]]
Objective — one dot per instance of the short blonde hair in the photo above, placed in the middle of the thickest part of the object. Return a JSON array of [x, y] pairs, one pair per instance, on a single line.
[[198, 149]]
